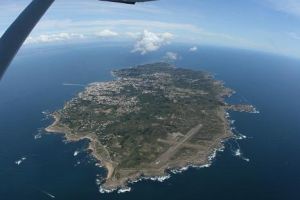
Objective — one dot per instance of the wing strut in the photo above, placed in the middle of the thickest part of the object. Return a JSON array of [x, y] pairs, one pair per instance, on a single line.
[[16, 34]]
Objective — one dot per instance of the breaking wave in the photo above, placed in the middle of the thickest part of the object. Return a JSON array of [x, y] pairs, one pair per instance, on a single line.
[[234, 147], [39, 133], [159, 178], [123, 190], [236, 150]]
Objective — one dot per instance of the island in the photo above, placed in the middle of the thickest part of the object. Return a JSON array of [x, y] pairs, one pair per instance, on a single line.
[[148, 120]]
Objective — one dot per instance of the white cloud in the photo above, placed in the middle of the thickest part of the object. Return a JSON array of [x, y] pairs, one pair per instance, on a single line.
[[194, 48], [46, 38], [124, 25], [106, 33], [171, 56], [129, 28], [64, 36], [149, 41], [286, 6]]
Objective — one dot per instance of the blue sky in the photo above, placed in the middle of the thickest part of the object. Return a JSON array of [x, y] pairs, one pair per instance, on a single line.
[[267, 25]]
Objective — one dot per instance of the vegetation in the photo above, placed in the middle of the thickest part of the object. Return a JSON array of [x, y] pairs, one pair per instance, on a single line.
[[151, 118]]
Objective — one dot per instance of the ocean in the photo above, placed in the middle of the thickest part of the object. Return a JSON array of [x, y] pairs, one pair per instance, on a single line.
[[38, 166]]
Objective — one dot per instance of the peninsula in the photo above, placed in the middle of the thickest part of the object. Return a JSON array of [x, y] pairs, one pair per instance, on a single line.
[[149, 119]]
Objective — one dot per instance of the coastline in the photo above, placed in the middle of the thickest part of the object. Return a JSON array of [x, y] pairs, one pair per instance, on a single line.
[[162, 166], [160, 175], [54, 129]]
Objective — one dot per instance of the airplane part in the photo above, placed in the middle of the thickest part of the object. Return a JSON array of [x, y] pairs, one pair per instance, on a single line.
[[16, 34], [12, 40]]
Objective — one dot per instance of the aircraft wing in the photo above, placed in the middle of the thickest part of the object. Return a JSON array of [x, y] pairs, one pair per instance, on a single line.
[[127, 1], [12, 40], [16, 34]]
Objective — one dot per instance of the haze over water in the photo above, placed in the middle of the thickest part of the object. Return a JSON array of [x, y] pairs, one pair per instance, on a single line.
[[43, 78]]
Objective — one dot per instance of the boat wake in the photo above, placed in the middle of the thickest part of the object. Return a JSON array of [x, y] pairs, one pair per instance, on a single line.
[[48, 194], [76, 153], [20, 161]]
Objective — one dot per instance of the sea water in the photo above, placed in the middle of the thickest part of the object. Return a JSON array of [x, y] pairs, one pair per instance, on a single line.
[[263, 165]]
